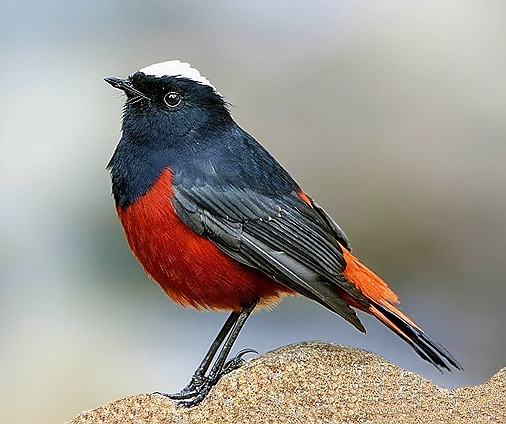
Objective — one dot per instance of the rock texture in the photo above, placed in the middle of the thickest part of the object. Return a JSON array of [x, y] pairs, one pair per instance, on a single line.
[[318, 383]]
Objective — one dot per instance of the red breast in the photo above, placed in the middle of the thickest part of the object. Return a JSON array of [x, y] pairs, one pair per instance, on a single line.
[[189, 267]]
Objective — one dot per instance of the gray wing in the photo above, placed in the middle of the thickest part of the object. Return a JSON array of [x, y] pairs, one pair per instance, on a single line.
[[287, 239]]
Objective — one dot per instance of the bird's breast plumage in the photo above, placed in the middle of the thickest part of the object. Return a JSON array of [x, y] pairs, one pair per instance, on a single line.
[[187, 266]]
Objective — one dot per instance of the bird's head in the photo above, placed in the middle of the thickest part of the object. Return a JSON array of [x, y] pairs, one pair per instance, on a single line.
[[169, 99]]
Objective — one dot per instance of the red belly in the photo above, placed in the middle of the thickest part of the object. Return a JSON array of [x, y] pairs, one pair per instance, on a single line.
[[189, 267]]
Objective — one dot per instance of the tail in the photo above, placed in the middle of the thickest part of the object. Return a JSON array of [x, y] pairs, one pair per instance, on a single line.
[[382, 301]]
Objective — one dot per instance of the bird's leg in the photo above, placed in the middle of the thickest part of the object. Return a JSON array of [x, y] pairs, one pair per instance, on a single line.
[[201, 384], [220, 366], [199, 374]]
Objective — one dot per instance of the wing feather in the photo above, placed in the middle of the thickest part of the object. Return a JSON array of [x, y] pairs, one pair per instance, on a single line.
[[282, 236]]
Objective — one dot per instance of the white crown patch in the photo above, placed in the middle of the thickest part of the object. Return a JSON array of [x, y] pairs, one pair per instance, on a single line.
[[176, 68]]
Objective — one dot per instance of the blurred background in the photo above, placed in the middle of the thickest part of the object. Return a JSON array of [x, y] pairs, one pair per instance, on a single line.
[[391, 114]]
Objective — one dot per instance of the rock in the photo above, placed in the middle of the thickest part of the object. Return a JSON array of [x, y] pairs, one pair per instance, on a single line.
[[317, 382]]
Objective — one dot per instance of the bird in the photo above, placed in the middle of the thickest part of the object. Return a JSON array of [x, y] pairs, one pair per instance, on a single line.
[[219, 224]]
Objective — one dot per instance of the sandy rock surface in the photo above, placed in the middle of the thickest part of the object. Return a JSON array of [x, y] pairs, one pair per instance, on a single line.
[[317, 383]]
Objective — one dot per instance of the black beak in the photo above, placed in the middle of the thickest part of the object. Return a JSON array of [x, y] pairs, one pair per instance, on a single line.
[[116, 82], [125, 85]]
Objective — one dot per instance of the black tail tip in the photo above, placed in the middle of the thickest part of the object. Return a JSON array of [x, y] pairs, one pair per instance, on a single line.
[[424, 346], [435, 353]]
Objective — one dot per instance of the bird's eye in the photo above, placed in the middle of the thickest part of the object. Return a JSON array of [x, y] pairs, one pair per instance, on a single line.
[[172, 99]]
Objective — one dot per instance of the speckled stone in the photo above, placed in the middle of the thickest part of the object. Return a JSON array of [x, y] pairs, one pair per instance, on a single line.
[[317, 383]]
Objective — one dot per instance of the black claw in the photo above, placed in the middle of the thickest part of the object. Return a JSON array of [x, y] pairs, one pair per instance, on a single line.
[[177, 396], [193, 389], [243, 352], [236, 362], [195, 392]]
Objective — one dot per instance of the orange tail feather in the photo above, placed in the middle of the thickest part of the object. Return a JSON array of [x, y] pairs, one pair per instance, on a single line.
[[375, 289], [382, 301]]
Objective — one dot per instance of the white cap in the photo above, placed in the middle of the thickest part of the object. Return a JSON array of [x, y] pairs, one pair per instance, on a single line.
[[176, 68]]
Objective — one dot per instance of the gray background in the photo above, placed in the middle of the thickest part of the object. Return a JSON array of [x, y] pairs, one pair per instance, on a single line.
[[391, 114]]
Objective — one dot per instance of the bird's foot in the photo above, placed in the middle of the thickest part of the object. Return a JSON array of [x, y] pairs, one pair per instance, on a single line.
[[236, 361], [194, 393], [196, 390], [200, 385]]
